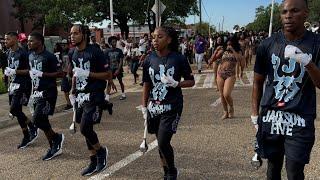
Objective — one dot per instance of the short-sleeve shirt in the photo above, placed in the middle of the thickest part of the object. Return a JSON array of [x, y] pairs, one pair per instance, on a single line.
[[45, 62], [200, 46], [114, 57], [174, 65], [288, 85], [91, 59], [19, 60]]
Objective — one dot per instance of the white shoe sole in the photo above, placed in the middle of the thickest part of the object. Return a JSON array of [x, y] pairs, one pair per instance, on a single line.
[[58, 152], [30, 141]]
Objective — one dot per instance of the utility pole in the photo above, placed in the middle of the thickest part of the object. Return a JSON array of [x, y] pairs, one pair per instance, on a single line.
[[158, 16], [271, 18], [222, 23], [200, 16], [111, 18]]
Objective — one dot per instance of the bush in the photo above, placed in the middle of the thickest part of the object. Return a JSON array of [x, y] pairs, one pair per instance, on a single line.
[[3, 88]]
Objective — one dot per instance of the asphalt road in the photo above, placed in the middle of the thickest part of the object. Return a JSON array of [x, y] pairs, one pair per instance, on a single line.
[[205, 146]]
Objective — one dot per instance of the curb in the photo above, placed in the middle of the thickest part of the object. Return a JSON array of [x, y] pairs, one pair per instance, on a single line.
[[8, 122]]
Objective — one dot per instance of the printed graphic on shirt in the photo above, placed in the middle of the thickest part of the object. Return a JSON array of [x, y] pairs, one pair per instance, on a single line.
[[36, 64], [287, 84], [114, 59], [283, 122], [82, 98], [82, 82], [159, 91], [13, 63]]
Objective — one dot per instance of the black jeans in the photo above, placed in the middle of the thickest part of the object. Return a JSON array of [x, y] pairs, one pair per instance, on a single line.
[[294, 169]]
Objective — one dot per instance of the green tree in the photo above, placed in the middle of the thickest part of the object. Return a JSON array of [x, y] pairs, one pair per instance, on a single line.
[[57, 13], [262, 19], [314, 15], [204, 28]]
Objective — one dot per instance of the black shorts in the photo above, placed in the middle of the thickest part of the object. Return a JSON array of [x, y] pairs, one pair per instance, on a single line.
[[46, 104], [295, 141], [66, 84], [90, 111], [167, 121], [119, 76]]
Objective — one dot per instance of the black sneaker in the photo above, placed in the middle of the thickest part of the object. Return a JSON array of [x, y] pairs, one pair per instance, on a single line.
[[106, 105], [67, 107], [102, 155], [91, 167], [109, 108], [173, 174], [34, 132], [48, 155], [165, 176], [56, 148], [24, 143]]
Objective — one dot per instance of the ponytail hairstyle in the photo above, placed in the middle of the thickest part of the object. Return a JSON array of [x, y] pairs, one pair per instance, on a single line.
[[172, 33]]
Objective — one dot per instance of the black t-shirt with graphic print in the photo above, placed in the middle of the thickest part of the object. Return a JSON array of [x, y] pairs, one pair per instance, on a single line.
[[175, 65], [288, 85], [19, 60], [93, 60], [114, 55], [45, 62]]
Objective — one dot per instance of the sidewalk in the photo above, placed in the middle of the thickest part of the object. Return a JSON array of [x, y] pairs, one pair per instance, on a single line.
[[6, 121]]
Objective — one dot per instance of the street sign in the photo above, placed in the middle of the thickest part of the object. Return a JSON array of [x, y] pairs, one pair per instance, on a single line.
[[161, 8]]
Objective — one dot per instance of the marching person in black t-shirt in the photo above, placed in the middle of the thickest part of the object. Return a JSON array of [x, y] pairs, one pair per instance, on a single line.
[[162, 100], [19, 87], [115, 58], [44, 69], [288, 64], [90, 74]]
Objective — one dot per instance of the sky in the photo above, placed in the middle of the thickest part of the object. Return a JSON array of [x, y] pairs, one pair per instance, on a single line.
[[239, 12]]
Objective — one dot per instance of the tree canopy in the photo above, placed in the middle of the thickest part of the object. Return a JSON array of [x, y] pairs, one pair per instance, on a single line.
[[262, 17], [62, 13]]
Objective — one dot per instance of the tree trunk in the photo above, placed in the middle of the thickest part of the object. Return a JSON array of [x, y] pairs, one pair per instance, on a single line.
[[21, 20], [123, 25]]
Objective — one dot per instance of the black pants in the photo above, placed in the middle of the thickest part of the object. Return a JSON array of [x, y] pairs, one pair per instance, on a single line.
[[88, 115], [16, 101], [294, 169], [165, 148]]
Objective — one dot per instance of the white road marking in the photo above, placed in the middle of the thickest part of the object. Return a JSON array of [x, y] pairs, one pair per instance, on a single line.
[[208, 82], [216, 103], [197, 78], [250, 76], [122, 163]]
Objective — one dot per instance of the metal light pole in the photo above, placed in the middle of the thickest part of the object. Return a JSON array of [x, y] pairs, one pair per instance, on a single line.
[[111, 18], [158, 16], [222, 23], [200, 16], [271, 18]]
